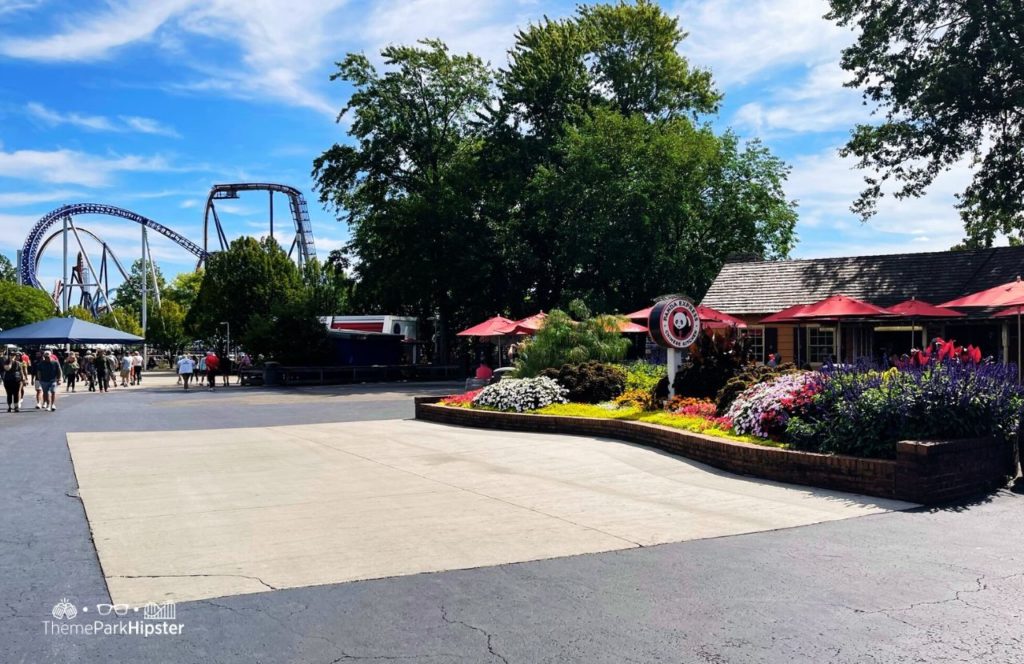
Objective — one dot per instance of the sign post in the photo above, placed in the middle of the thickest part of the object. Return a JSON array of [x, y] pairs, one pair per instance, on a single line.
[[674, 324]]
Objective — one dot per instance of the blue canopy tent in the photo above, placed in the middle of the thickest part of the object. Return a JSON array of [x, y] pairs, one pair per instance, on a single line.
[[66, 331]]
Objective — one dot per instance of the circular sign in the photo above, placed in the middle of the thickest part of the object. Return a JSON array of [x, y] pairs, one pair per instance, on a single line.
[[674, 323]]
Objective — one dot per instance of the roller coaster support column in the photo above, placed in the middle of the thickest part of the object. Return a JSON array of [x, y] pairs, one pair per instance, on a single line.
[[145, 282], [64, 284], [271, 214]]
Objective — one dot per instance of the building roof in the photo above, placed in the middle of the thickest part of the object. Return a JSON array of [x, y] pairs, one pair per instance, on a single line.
[[764, 287]]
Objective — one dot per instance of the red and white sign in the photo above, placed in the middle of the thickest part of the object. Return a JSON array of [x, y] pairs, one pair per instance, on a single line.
[[674, 323]]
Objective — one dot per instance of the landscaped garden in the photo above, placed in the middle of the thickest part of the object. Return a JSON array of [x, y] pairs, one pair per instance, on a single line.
[[856, 410]]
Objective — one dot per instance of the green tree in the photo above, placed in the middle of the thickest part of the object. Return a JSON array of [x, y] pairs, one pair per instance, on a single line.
[[7, 270], [22, 305], [166, 326], [80, 312], [184, 288], [245, 286], [121, 319], [608, 185], [408, 186], [129, 293], [562, 340], [948, 77]]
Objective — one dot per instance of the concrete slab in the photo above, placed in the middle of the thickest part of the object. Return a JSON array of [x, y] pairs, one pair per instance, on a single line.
[[198, 514]]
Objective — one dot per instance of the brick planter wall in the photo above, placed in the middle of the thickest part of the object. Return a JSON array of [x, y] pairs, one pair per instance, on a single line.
[[923, 472]]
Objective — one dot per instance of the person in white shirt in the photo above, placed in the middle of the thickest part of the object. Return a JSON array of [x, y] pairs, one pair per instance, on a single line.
[[185, 368], [136, 368]]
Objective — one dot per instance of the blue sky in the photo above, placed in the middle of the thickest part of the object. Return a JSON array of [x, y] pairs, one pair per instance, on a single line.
[[145, 104]]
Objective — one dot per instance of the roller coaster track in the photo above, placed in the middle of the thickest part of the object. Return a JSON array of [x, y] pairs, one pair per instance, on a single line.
[[37, 236], [303, 240]]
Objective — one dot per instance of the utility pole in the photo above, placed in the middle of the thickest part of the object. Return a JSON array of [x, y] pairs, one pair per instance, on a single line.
[[145, 282], [64, 285]]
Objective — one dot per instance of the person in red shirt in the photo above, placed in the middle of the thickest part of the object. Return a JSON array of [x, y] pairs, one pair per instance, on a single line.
[[212, 365]]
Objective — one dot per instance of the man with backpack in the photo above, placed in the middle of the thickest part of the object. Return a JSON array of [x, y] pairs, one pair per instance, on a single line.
[[48, 377]]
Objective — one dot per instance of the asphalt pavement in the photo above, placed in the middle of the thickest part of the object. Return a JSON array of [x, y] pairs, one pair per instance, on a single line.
[[927, 585]]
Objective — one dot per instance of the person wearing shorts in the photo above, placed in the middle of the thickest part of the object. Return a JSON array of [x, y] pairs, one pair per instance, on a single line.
[[185, 368], [48, 377]]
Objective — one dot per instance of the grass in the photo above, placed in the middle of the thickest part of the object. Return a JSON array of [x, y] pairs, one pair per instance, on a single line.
[[685, 422]]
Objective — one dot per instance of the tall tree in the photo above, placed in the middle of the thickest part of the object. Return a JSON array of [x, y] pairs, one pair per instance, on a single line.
[[122, 319], [21, 305], [948, 77], [166, 326], [609, 185], [184, 288], [129, 293], [7, 270], [80, 312], [243, 285], [407, 186]]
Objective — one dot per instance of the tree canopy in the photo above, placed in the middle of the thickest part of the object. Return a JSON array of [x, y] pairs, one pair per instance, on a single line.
[[22, 305], [948, 78], [586, 168], [129, 293], [7, 270]]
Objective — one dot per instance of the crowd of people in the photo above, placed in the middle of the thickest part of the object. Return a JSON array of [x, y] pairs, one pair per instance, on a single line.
[[207, 367], [48, 369]]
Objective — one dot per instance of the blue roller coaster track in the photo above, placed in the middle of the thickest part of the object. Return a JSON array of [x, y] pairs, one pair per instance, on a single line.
[[37, 236]]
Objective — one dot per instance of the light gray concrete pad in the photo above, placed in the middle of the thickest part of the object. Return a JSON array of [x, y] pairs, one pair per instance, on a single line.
[[197, 514]]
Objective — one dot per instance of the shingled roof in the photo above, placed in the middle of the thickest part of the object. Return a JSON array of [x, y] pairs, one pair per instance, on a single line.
[[764, 287]]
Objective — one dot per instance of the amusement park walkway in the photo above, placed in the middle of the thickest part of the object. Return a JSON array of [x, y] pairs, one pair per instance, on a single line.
[[921, 585]]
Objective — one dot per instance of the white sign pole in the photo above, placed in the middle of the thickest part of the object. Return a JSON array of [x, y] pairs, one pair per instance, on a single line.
[[673, 364]]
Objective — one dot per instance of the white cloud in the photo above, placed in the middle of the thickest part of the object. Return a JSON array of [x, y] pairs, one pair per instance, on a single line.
[[12, 6], [89, 36], [125, 123], [825, 185], [741, 39], [73, 167], [817, 103], [20, 199]]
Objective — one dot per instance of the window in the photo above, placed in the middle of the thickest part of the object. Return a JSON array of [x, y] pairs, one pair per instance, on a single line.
[[821, 344], [755, 336]]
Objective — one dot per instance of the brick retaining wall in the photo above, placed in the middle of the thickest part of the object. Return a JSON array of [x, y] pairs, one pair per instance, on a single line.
[[923, 472]]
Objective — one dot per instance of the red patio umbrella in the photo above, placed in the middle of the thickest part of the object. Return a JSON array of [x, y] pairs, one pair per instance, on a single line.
[[489, 328], [838, 307], [528, 325], [1010, 294], [914, 309], [784, 316], [706, 315], [627, 327]]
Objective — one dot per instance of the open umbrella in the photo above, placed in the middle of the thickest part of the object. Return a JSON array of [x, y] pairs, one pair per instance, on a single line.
[[838, 307], [528, 325], [914, 309], [1010, 294], [707, 316], [489, 328]]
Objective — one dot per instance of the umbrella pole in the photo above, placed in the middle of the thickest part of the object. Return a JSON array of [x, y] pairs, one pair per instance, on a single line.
[[1018, 345]]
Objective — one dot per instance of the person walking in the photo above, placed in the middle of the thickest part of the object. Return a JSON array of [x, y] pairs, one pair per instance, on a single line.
[[244, 363], [185, 368], [136, 368], [102, 369], [212, 364], [225, 369], [89, 370], [70, 372], [32, 368], [126, 369], [48, 377], [14, 377]]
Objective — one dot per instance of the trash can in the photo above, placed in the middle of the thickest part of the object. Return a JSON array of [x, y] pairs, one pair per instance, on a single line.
[[272, 374]]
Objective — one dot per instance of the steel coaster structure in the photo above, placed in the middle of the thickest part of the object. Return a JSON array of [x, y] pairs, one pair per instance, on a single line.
[[302, 248]]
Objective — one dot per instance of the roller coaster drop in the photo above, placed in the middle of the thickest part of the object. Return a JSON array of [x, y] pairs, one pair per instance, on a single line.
[[94, 285]]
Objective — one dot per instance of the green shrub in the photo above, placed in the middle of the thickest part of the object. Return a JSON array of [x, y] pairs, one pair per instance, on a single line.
[[750, 376], [642, 375], [590, 382], [561, 340], [712, 362]]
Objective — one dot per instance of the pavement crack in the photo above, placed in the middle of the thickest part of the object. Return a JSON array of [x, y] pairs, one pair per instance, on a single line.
[[490, 637], [192, 576]]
